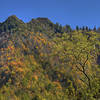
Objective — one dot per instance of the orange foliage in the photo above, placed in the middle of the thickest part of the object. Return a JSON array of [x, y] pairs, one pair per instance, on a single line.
[[58, 85], [20, 69], [35, 77]]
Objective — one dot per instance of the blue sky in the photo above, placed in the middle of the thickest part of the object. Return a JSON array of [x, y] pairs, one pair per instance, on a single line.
[[72, 12]]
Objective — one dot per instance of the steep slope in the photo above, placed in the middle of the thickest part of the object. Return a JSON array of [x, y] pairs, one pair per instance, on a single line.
[[43, 25], [36, 66], [12, 24]]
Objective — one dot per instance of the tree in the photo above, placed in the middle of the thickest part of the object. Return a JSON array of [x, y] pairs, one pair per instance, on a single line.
[[94, 29], [87, 29], [57, 28], [67, 28], [90, 29], [83, 28], [77, 28], [77, 55]]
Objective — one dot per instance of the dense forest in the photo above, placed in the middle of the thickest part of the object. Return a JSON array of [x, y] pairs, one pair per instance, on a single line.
[[40, 60]]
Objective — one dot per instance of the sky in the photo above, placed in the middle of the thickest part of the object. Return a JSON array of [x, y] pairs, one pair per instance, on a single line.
[[72, 12]]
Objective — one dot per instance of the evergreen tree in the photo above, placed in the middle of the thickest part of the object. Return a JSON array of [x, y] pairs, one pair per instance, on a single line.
[[68, 28], [57, 28], [87, 28], [90, 29], [77, 28], [83, 28], [94, 29]]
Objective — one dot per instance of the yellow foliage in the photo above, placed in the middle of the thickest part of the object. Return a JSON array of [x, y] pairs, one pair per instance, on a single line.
[[58, 85], [35, 77], [9, 58], [20, 69]]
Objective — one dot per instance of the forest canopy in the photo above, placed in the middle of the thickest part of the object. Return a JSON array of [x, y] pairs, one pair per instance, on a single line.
[[40, 60]]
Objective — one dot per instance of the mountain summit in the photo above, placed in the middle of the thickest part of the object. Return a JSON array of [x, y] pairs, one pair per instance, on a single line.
[[12, 23], [40, 60]]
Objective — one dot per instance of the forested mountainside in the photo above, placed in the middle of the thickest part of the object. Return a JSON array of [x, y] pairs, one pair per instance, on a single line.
[[40, 60]]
